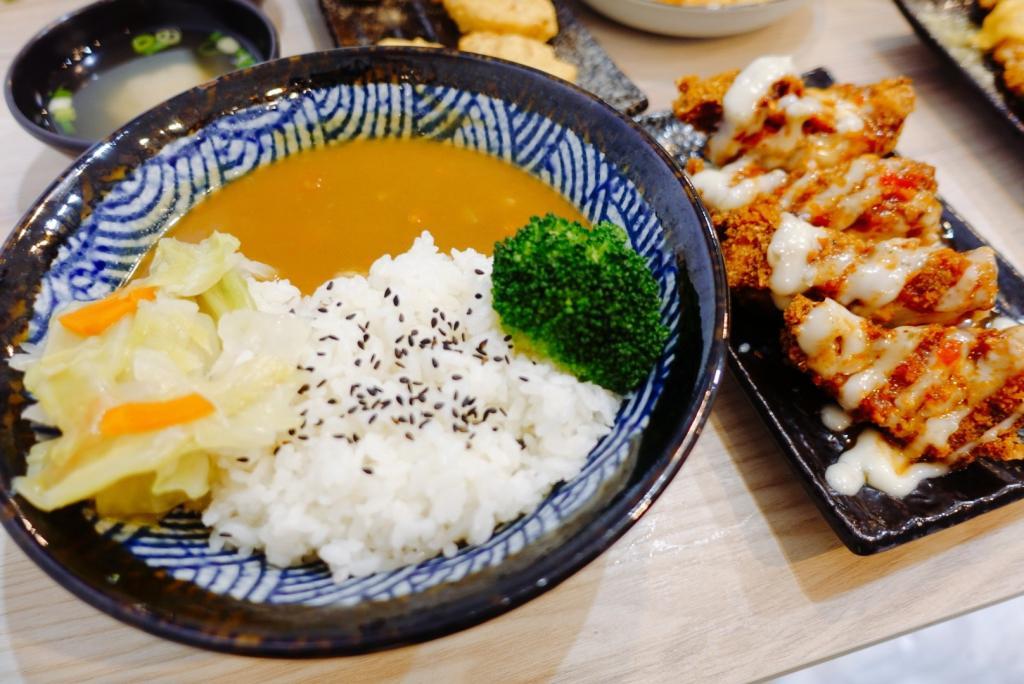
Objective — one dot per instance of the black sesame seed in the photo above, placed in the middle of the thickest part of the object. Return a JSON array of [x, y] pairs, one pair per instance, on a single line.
[[303, 437], [408, 436], [350, 317], [358, 362], [524, 378], [478, 296], [322, 309], [376, 365], [438, 405], [387, 292], [330, 284], [434, 363], [395, 300], [291, 432], [368, 471], [456, 377], [372, 418], [332, 401], [478, 271], [321, 383], [303, 389]]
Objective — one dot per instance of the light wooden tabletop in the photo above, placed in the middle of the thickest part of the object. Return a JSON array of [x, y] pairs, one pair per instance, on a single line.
[[732, 575]]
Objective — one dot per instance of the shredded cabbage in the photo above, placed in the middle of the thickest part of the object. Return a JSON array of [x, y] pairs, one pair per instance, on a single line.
[[200, 335]]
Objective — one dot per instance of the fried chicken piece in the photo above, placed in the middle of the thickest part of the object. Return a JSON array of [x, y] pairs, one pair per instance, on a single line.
[[878, 198], [532, 53], [699, 102], [536, 19], [408, 42], [898, 281], [767, 115], [1010, 55], [945, 394]]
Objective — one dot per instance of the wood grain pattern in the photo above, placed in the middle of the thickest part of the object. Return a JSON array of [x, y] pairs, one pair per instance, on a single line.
[[732, 575]]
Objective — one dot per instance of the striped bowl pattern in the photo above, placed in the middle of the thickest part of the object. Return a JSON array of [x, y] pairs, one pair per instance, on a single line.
[[135, 213]]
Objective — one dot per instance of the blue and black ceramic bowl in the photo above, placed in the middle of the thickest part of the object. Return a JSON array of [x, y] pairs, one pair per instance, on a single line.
[[101, 216]]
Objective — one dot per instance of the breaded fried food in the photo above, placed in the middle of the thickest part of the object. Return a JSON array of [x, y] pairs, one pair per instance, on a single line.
[[1010, 56], [532, 53], [878, 198], [899, 281], [769, 117], [535, 19], [1002, 35], [407, 42], [946, 394], [699, 102]]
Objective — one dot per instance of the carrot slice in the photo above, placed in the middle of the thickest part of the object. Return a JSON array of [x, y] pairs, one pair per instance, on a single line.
[[92, 319], [145, 416]]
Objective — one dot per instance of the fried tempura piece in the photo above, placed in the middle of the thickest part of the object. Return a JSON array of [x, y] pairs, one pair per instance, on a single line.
[[878, 198], [769, 117], [532, 53], [945, 393], [406, 42], [535, 19], [893, 282], [1010, 55]]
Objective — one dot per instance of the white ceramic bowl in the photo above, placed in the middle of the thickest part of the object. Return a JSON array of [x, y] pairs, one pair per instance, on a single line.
[[694, 22]]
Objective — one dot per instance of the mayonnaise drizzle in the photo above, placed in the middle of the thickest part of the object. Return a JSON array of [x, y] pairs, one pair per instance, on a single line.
[[720, 190], [790, 253], [741, 101], [834, 418], [874, 462]]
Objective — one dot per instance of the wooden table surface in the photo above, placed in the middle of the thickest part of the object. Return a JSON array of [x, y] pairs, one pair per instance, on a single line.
[[733, 575]]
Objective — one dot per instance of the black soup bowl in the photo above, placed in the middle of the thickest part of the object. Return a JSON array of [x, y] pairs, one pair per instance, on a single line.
[[92, 226], [79, 49]]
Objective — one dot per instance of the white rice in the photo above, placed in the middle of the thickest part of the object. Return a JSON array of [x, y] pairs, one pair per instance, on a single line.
[[423, 428]]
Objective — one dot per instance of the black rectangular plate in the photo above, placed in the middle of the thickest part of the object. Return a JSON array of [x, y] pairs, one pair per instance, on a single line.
[[359, 22], [974, 66], [789, 402]]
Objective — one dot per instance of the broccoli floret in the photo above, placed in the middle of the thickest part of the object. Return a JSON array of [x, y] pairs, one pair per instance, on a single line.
[[581, 297]]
